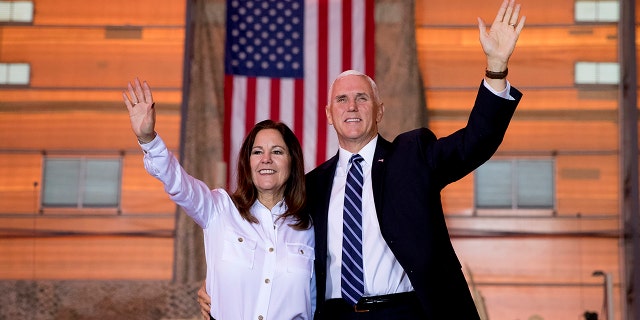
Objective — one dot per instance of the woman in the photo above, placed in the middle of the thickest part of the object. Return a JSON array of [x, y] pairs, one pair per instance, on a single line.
[[258, 241]]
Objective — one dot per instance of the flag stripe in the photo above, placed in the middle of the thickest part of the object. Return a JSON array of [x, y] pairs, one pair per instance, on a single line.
[[369, 39], [309, 139], [261, 100], [298, 101], [250, 97], [346, 34], [323, 69], [275, 99], [228, 90], [279, 62]]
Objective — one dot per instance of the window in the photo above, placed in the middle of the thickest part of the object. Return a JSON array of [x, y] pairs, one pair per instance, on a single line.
[[597, 73], [597, 11], [16, 11], [81, 182], [14, 73], [515, 184]]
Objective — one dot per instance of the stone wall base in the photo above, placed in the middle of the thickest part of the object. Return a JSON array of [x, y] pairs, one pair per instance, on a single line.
[[88, 300]]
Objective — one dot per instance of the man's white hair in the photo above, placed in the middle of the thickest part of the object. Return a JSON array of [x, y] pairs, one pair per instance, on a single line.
[[374, 87]]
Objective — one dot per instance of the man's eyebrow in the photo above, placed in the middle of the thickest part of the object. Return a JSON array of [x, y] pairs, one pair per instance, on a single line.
[[359, 94], [340, 96]]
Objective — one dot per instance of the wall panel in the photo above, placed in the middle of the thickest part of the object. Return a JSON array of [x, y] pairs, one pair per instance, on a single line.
[[63, 57], [112, 12], [532, 264], [545, 56], [82, 54]]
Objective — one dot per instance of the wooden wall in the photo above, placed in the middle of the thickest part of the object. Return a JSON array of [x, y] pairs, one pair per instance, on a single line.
[[532, 263], [82, 54]]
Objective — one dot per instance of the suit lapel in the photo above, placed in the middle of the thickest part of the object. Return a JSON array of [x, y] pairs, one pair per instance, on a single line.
[[377, 172], [322, 189]]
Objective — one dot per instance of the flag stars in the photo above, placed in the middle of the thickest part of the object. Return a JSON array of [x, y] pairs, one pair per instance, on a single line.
[[265, 38]]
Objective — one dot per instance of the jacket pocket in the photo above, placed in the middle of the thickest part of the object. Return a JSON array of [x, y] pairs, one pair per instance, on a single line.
[[239, 249], [300, 258]]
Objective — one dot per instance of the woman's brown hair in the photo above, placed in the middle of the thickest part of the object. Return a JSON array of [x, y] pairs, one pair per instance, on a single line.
[[294, 192]]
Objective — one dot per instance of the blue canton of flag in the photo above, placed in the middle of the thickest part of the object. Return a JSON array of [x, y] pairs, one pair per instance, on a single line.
[[265, 38]]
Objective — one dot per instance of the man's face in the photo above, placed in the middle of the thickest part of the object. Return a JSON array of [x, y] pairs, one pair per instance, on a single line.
[[353, 112]]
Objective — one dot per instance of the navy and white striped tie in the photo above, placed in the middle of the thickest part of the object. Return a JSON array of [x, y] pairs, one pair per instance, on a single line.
[[352, 272]]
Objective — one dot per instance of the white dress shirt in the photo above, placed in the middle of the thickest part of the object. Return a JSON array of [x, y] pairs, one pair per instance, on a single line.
[[382, 272], [254, 271]]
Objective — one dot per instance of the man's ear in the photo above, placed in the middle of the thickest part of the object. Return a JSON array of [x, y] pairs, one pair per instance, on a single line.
[[327, 112], [380, 112]]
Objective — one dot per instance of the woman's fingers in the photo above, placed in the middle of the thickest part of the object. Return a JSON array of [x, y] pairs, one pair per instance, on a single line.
[[127, 102], [138, 92], [147, 93], [132, 94]]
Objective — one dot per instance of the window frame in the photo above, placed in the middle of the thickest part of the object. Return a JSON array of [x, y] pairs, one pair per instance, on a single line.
[[515, 208], [19, 12], [599, 71], [15, 74], [598, 9], [82, 204]]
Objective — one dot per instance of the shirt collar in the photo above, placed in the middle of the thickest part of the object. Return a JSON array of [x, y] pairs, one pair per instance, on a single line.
[[366, 152], [278, 209]]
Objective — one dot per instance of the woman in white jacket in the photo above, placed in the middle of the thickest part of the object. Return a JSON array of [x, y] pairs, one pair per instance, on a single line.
[[258, 241]]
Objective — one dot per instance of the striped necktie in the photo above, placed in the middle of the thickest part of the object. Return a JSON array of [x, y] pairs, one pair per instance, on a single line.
[[352, 272]]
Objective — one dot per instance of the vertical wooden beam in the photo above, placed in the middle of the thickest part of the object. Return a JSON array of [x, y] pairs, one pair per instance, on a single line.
[[201, 134], [628, 123], [184, 266]]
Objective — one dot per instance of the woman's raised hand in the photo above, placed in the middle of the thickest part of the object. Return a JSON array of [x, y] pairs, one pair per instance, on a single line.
[[142, 113]]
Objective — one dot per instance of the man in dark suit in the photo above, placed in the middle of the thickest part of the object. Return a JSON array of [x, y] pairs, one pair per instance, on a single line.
[[409, 267], [402, 259]]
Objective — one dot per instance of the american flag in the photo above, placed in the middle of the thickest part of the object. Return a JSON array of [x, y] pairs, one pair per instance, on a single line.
[[280, 58]]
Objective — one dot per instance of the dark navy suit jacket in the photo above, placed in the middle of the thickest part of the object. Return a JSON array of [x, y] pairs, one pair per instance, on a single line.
[[408, 175]]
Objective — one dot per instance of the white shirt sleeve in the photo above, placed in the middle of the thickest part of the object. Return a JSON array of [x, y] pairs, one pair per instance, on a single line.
[[193, 195], [503, 94]]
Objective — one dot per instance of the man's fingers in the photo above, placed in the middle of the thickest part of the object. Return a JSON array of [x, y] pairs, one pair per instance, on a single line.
[[508, 13], [501, 11], [513, 20], [204, 305], [482, 26], [520, 24], [204, 300]]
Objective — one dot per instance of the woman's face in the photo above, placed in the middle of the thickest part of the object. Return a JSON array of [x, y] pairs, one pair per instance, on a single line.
[[270, 162]]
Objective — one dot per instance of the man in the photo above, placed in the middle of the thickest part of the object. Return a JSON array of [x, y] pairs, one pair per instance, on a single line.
[[401, 263]]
